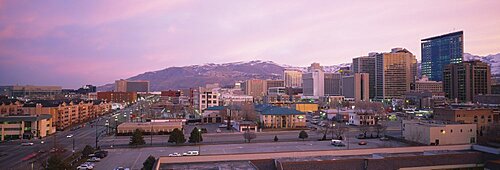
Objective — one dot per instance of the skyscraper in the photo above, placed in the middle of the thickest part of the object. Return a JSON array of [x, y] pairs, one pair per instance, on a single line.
[[256, 88], [439, 51], [292, 78], [395, 73], [333, 83], [313, 81], [462, 81], [356, 87], [366, 64]]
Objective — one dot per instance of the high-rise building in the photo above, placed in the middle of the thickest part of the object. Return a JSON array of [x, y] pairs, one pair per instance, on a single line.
[[439, 51], [462, 81], [366, 64], [356, 87], [256, 88], [333, 84], [313, 81], [395, 73], [292, 78], [131, 86]]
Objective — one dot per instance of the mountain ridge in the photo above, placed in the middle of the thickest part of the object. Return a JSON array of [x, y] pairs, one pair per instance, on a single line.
[[183, 77]]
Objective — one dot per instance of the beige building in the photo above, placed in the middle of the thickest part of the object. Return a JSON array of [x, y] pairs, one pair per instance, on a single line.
[[207, 98], [280, 117], [395, 72], [432, 133], [256, 88], [426, 85], [155, 127], [292, 78], [360, 119], [480, 116], [26, 127], [10, 107], [66, 113], [31, 92]]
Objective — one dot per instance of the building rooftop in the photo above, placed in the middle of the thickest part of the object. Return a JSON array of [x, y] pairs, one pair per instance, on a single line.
[[275, 110], [444, 35], [25, 118]]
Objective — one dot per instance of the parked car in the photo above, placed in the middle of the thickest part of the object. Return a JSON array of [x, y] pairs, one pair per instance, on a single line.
[[70, 136], [362, 143], [100, 154], [27, 144], [223, 126], [361, 136], [84, 167], [337, 143], [122, 168], [89, 163], [94, 159], [204, 130], [174, 154], [384, 139], [218, 130], [191, 153]]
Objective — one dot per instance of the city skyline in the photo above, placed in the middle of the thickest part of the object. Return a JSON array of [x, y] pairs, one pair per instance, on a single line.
[[72, 44]]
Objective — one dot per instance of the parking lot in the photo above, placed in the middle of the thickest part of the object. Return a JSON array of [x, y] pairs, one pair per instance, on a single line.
[[134, 157]]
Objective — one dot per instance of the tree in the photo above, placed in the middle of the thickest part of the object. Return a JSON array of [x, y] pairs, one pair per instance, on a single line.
[[303, 135], [57, 163], [176, 136], [379, 129], [149, 163], [364, 129], [87, 150], [249, 136], [136, 138], [248, 112], [195, 136], [275, 138], [339, 130]]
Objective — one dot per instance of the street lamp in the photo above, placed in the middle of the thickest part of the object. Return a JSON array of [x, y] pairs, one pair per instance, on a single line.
[[199, 140]]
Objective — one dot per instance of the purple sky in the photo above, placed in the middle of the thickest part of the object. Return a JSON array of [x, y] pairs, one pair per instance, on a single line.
[[72, 43]]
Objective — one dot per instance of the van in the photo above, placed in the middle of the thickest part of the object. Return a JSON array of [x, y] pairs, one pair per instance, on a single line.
[[338, 143]]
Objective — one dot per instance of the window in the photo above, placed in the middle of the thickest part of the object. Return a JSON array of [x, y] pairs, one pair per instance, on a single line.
[[460, 130], [451, 131]]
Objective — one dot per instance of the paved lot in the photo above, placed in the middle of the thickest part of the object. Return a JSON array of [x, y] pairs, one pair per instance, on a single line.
[[134, 157]]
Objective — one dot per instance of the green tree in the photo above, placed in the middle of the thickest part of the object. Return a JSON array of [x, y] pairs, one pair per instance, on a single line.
[[136, 138], [176, 136], [195, 136], [57, 163], [87, 150], [303, 135], [275, 138], [149, 163]]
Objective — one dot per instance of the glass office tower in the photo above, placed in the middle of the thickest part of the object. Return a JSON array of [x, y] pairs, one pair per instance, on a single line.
[[439, 51]]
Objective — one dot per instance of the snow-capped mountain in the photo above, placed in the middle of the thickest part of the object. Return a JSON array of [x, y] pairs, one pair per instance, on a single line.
[[224, 74]]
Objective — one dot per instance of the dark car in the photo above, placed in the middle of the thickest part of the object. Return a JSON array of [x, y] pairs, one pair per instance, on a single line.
[[361, 136], [101, 154], [204, 130]]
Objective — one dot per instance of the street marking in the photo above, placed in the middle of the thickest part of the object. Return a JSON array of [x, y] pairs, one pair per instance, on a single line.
[[133, 165]]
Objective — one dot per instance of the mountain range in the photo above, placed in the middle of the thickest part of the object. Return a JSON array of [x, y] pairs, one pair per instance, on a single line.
[[228, 73]]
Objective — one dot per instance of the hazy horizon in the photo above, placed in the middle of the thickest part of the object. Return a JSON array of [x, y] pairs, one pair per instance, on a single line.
[[70, 44]]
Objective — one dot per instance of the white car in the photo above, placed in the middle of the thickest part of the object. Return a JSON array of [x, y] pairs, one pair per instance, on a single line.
[[191, 153], [122, 168], [223, 126], [70, 136], [218, 130], [94, 159], [27, 144], [84, 167], [174, 154]]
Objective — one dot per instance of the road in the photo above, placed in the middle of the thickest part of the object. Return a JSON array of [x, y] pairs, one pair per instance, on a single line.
[[134, 157], [16, 154]]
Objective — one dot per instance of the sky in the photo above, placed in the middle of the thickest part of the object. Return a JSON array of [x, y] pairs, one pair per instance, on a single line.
[[73, 43]]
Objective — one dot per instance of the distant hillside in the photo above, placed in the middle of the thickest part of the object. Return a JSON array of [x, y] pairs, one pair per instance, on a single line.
[[224, 74]]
